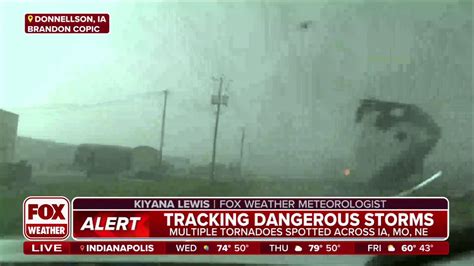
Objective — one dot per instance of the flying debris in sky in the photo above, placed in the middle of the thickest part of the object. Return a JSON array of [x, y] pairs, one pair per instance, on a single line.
[[306, 24]]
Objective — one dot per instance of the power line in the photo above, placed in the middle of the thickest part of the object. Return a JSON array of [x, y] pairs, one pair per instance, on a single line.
[[145, 95]]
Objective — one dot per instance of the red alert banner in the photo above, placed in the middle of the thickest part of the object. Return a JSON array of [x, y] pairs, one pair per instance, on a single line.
[[327, 219], [235, 248], [67, 23]]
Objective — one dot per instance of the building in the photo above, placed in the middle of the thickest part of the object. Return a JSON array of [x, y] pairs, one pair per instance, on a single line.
[[181, 165], [102, 161], [144, 159], [11, 172], [8, 132]]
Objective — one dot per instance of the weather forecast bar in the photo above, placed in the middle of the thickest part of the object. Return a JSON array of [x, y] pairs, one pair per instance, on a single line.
[[316, 219], [234, 248]]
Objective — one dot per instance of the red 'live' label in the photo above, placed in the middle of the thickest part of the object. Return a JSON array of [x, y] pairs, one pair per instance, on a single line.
[[46, 218]]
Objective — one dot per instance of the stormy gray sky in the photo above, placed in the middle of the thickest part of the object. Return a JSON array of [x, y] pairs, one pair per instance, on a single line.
[[151, 47], [295, 90], [102, 88]]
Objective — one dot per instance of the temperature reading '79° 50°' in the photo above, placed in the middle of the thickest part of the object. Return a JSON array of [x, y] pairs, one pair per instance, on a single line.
[[328, 248]]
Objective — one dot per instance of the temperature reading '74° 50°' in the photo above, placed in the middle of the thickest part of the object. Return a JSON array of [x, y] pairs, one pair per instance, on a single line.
[[233, 248]]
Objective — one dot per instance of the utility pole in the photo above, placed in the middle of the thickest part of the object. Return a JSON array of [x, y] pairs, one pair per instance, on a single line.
[[241, 151], [160, 160], [217, 100]]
